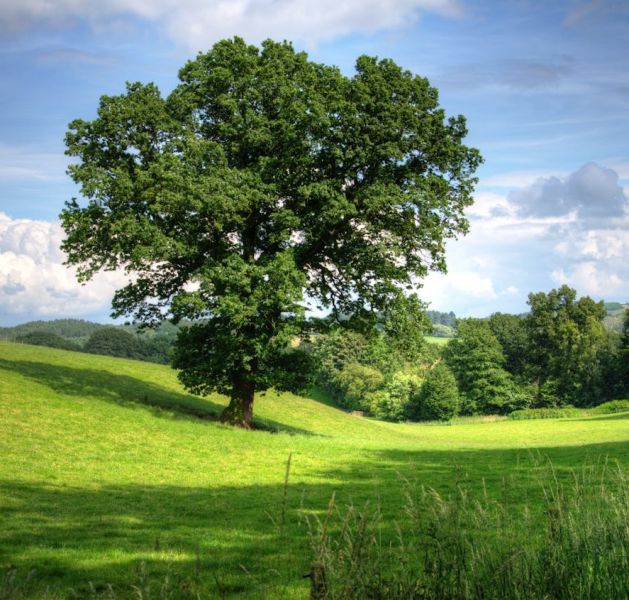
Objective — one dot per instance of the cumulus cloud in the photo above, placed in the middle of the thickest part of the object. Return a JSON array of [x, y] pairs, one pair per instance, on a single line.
[[595, 261], [591, 192], [198, 23], [34, 283], [559, 228], [591, 278]]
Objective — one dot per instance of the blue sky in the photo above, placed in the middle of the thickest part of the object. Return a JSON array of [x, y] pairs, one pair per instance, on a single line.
[[544, 86]]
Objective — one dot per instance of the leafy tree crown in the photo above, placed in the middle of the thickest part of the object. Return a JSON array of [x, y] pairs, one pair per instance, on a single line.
[[261, 179]]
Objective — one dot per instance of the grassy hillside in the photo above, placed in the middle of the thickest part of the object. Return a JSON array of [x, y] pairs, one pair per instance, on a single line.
[[615, 315], [113, 474], [76, 330]]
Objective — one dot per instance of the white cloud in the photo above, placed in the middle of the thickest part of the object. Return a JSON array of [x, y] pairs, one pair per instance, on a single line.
[[34, 283], [592, 279], [488, 204], [595, 261], [510, 252], [443, 290], [596, 244], [199, 23]]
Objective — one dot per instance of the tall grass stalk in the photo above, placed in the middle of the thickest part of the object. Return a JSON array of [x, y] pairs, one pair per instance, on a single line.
[[574, 546]]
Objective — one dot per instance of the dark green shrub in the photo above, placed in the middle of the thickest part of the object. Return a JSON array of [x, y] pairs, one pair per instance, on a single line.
[[613, 406], [114, 341], [355, 382], [555, 412], [438, 399], [392, 402], [46, 338]]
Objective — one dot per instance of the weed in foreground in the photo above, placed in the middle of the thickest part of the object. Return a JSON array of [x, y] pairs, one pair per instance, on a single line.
[[575, 547]]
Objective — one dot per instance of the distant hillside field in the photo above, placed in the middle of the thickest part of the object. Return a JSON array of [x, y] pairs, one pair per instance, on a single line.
[[76, 330], [615, 315], [113, 475]]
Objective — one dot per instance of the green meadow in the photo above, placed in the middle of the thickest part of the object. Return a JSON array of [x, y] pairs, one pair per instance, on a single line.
[[114, 480]]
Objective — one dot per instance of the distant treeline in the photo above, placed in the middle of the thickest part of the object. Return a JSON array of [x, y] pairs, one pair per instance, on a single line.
[[614, 316], [126, 341], [443, 324], [564, 351], [560, 353]]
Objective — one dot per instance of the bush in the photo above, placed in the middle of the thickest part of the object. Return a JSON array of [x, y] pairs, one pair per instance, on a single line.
[[392, 402], [113, 341], [46, 338], [355, 383], [438, 399], [547, 413], [613, 406]]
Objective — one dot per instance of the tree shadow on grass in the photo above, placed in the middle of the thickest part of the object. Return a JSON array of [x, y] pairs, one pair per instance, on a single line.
[[611, 417], [119, 389], [250, 540], [125, 390]]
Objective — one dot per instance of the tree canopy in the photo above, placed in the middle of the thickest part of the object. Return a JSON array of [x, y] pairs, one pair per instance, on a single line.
[[262, 180], [566, 343], [477, 361]]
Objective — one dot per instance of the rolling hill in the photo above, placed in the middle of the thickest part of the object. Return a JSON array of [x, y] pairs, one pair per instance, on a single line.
[[113, 475]]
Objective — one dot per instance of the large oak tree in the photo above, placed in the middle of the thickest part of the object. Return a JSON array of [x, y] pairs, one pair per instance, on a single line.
[[261, 180]]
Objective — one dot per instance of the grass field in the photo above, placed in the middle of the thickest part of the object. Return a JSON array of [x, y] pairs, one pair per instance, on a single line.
[[439, 341], [111, 474]]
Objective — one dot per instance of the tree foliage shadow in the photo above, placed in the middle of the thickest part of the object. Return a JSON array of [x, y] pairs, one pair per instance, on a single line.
[[111, 387], [249, 537], [125, 390], [612, 417]]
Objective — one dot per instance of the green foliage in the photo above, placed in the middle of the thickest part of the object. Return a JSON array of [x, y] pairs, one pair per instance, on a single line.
[[333, 351], [343, 355], [622, 369], [567, 343], [262, 178], [442, 550], [158, 348], [46, 338], [510, 331], [438, 399], [404, 326], [610, 407], [113, 341], [561, 412], [476, 359], [393, 401], [355, 383]]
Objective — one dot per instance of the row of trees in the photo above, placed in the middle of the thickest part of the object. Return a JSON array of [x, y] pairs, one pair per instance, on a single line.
[[109, 341], [559, 353]]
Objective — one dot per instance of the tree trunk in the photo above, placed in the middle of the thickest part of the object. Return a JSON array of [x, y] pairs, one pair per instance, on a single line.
[[239, 412]]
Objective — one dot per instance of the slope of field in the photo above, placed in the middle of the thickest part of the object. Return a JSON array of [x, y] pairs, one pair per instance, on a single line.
[[112, 474]]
